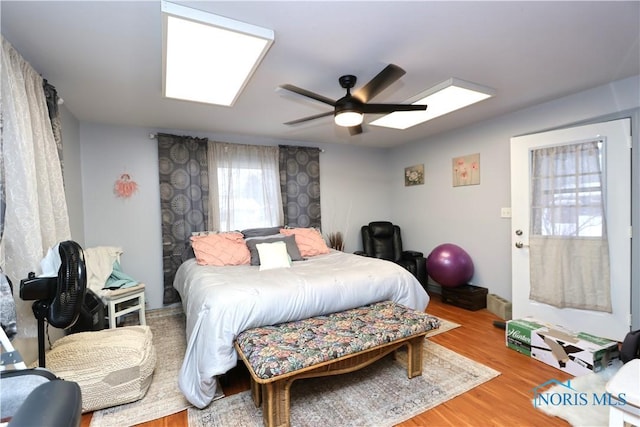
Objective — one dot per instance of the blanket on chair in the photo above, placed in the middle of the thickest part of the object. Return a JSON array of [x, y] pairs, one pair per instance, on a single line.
[[103, 270]]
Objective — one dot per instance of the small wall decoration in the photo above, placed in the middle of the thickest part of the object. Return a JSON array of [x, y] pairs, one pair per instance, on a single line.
[[336, 241], [466, 170], [414, 175], [125, 186]]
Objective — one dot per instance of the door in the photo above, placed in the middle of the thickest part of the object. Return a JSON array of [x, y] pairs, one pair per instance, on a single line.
[[616, 140]]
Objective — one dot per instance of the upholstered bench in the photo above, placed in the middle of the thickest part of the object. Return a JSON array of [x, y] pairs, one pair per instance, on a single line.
[[327, 345]]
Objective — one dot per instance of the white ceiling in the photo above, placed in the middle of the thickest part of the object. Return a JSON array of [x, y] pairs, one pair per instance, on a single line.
[[105, 59]]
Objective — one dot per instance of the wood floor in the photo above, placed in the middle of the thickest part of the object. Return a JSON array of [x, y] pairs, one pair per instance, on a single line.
[[502, 401]]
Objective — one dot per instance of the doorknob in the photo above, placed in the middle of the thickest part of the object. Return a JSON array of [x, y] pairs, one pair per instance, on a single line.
[[521, 245]]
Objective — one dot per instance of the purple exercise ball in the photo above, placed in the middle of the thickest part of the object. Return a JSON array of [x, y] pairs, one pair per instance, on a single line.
[[450, 265]]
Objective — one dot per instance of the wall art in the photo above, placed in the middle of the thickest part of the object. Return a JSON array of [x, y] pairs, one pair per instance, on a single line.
[[124, 186], [466, 170], [414, 175]]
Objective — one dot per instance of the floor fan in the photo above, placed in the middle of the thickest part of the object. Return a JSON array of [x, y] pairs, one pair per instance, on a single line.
[[58, 300]]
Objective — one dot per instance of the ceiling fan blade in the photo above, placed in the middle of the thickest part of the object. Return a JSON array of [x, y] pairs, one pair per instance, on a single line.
[[308, 94], [383, 80], [306, 119], [390, 108], [355, 130]]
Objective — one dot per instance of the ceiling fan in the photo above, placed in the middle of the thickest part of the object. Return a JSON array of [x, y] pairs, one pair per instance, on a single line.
[[349, 110]]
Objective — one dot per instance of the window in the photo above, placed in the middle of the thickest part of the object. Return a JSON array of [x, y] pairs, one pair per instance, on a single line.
[[567, 191], [245, 186]]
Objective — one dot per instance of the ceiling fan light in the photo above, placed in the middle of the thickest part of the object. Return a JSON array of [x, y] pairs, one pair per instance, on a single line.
[[348, 118]]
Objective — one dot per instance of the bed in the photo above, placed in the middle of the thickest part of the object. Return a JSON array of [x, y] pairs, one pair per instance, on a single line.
[[222, 301]]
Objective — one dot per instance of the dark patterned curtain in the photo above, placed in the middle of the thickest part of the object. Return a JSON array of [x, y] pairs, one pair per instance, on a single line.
[[51, 95], [184, 200], [300, 185]]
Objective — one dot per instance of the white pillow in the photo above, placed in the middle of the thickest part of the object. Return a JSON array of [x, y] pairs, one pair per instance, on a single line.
[[273, 255]]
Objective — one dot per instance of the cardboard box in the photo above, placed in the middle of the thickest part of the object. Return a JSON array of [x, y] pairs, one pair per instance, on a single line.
[[518, 334], [574, 353]]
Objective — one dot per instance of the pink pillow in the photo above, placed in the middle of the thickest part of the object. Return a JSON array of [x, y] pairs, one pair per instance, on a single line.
[[309, 241], [221, 249]]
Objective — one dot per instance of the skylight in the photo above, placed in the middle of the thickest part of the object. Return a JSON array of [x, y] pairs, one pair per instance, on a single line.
[[450, 95], [208, 58]]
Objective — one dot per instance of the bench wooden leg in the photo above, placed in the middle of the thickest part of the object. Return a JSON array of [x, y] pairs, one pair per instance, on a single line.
[[276, 403], [256, 393], [414, 356]]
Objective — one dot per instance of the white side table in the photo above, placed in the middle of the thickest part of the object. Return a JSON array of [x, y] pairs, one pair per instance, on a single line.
[[124, 301]]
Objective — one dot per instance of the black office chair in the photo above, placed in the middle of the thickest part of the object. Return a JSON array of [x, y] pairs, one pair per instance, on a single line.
[[382, 239], [54, 403]]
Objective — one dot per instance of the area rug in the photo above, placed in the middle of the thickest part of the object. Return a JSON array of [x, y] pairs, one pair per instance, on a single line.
[[582, 410], [163, 397], [445, 326], [378, 395]]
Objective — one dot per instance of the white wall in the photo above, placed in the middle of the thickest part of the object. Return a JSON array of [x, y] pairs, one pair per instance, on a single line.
[[71, 151], [358, 185], [354, 191], [132, 224], [437, 212]]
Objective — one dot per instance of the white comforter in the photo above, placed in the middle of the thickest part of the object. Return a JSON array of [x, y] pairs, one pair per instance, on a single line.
[[221, 302]]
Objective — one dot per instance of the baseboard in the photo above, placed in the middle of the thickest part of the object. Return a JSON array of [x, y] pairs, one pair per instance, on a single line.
[[434, 288]]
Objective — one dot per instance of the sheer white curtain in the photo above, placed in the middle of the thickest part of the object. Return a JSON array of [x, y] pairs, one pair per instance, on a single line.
[[569, 251], [244, 186], [36, 209]]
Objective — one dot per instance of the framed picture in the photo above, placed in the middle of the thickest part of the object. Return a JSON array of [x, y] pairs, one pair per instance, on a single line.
[[466, 170], [414, 175]]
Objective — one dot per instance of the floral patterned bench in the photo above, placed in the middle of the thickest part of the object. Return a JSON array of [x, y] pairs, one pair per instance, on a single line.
[[327, 345]]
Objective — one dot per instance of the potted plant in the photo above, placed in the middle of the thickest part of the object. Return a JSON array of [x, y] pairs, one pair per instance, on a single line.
[[336, 240]]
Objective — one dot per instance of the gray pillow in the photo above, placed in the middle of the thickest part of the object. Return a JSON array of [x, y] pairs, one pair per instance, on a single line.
[[290, 241], [260, 232]]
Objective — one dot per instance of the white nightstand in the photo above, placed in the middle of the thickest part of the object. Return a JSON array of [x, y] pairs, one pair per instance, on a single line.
[[124, 301]]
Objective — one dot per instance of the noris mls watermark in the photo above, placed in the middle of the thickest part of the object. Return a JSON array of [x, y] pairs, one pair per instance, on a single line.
[[563, 394]]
